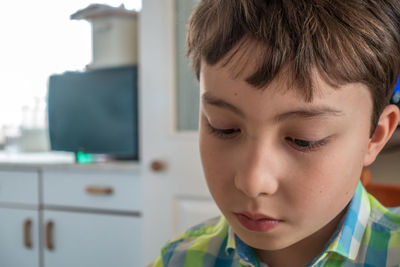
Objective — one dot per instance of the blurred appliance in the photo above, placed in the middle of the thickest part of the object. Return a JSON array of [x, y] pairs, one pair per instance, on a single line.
[[114, 35], [95, 111]]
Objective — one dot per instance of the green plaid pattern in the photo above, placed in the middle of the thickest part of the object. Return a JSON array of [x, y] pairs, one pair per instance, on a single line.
[[369, 235]]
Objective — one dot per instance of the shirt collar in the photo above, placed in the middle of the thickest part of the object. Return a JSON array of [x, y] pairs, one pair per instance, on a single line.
[[246, 254], [346, 241], [348, 236], [230, 244]]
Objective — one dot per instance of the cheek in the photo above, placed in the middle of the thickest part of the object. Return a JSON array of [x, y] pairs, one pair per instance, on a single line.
[[216, 164], [327, 182]]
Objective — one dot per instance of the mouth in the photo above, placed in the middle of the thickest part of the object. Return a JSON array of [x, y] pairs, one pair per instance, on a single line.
[[257, 222]]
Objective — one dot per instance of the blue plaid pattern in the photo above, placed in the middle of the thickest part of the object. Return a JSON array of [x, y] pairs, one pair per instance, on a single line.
[[368, 235]]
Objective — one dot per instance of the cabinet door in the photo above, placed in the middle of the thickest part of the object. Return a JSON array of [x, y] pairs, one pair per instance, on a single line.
[[90, 240], [19, 238]]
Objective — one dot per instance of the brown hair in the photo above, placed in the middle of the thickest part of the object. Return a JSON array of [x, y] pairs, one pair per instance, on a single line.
[[346, 41]]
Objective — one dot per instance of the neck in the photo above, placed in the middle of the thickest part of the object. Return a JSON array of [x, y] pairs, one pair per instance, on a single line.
[[302, 252]]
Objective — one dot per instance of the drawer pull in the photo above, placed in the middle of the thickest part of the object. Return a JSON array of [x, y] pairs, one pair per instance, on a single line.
[[27, 234], [96, 190], [49, 235], [158, 165]]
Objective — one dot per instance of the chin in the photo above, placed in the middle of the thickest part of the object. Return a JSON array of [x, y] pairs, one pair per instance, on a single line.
[[264, 241], [270, 244]]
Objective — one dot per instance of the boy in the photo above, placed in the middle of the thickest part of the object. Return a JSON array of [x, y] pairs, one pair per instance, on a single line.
[[294, 103]]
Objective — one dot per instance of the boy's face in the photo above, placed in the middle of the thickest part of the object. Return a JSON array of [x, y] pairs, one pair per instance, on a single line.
[[268, 153]]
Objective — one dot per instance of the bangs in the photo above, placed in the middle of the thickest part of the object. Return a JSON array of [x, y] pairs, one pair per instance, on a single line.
[[344, 41]]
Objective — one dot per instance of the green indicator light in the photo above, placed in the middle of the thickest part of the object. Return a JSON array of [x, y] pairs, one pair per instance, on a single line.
[[83, 158]]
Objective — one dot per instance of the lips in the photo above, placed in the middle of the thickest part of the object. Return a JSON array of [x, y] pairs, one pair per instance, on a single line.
[[257, 222]]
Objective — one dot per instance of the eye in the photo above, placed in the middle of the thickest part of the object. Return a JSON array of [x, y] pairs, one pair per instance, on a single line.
[[306, 145], [223, 133]]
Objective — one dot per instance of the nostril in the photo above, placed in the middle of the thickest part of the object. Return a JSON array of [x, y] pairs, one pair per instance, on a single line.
[[257, 185], [254, 187]]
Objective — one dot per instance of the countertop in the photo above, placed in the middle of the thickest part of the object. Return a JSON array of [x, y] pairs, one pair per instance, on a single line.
[[59, 161]]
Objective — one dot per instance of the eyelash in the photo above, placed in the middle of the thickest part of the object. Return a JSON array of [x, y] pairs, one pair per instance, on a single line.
[[306, 146], [301, 145], [222, 133]]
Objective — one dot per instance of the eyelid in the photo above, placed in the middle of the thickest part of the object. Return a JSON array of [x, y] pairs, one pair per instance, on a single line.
[[222, 133], [231, 133], [315, 145]]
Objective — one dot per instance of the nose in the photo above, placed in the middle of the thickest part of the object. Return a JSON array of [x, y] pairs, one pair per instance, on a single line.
[[256, 174]]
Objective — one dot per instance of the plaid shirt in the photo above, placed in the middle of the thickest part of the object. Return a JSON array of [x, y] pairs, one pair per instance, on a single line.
[[369, 235]]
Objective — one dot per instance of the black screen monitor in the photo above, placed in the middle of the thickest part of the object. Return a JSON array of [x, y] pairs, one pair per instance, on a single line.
[[95, 112]]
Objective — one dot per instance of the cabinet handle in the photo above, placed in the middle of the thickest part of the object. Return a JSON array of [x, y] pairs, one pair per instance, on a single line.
[[49, 235], [97, 190], [27, 233], [158, 165]]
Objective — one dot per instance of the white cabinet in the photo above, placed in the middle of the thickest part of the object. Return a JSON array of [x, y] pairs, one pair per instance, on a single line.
[[91, 219], [19, 188], [90, 240], [19, 219], [19, 237], [72, 216], [96, 189]]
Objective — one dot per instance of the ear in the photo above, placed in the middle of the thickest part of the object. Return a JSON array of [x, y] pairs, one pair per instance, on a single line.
[[387, 124]]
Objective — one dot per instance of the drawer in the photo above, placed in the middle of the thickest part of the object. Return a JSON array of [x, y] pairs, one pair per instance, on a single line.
[[92, 190], [19, 187]]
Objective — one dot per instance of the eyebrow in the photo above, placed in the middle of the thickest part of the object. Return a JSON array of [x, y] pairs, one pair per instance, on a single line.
[[208, 98]]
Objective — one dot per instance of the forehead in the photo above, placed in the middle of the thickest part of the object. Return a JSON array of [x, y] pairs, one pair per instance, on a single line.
[[256, 63], [280, 96]]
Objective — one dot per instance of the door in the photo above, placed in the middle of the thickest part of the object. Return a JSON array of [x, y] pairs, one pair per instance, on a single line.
[[19, 237], [174, 190], [82, 239]]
